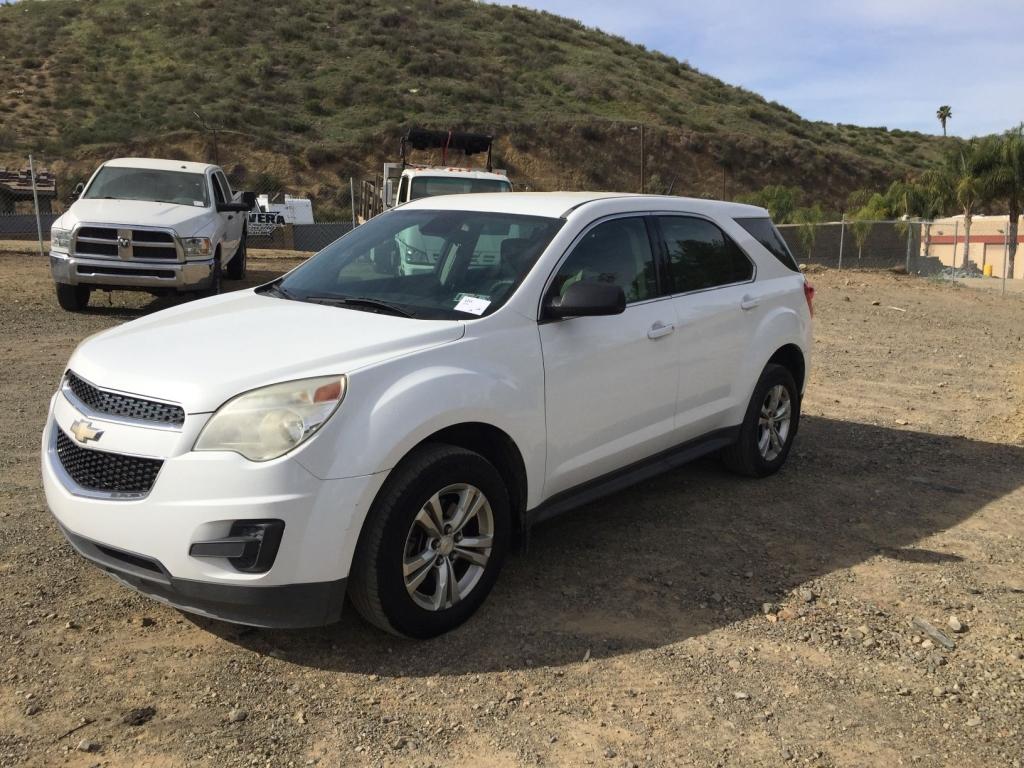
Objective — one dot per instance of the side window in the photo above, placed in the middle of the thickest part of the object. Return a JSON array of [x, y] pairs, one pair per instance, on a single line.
[[762, 230], [617, 252], [218, 192], [225, 185], [701, 256]]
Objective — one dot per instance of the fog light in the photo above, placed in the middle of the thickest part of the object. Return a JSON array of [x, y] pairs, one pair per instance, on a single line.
[[251, 545]]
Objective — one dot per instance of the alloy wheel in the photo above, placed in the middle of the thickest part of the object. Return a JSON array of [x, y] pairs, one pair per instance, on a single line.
[[448, 547], [774, 422]]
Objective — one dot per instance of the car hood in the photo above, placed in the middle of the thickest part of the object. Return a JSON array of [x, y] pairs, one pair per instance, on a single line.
[[186, 220], [203, 353]]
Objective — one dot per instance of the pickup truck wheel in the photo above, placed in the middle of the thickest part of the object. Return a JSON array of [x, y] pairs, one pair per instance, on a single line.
[[433, 543], [769, 426], [215, 278], [73, 298], [236, 267]]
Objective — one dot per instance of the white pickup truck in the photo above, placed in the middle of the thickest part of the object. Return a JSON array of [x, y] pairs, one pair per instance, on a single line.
[[152, 225]]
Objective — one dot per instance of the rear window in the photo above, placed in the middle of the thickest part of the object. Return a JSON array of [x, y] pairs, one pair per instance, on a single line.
[[766, 234]]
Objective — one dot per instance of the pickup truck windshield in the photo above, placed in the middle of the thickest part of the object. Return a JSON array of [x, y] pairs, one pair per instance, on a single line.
[[179, 187], [424, 264], [429, 186]]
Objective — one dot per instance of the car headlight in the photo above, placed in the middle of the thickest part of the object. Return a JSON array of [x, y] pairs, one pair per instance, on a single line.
[[268, 422], [197, 247], [60, 239]]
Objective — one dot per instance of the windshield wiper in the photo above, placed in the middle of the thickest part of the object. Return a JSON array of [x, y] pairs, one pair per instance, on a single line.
[[359, 302], [276, 288]]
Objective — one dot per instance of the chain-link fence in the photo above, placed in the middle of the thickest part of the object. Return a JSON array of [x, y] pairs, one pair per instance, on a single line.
[[33, 196], [917, 247]]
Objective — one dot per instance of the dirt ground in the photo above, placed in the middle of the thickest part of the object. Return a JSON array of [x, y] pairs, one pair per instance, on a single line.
[[698, 619]]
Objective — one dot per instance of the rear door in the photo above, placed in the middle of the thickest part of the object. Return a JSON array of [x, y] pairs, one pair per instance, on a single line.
[[610, 382], [713, 292]]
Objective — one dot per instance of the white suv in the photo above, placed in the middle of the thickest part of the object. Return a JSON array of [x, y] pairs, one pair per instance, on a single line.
[[257, 455]]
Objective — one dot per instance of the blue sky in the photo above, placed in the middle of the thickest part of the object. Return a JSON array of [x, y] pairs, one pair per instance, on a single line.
[[869, 62]]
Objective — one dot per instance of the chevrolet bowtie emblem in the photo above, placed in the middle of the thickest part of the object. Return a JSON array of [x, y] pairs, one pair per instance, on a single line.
[[84, 431]]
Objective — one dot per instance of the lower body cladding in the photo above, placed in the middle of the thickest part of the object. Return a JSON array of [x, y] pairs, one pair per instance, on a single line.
[[153, 275], [264, 544]]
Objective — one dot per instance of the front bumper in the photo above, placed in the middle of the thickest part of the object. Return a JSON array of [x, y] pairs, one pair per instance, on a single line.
[[196, 497], [142, 275], [288, 606]]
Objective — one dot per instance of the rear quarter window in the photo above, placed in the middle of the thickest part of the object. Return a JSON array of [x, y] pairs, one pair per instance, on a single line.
[[762, 230]]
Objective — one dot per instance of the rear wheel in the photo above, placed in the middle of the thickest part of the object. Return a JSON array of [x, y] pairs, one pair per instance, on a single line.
[[769, 426], [433, 543], [236, 267], [73, 298]]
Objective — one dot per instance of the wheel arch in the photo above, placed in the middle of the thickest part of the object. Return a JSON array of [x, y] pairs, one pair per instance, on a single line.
[[791, 357], [498, 447]]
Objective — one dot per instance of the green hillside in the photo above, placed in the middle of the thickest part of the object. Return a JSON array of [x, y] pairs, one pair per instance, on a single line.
[[311, 92]]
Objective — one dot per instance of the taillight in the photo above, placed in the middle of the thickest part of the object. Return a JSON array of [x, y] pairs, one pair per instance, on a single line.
[[809, 295]]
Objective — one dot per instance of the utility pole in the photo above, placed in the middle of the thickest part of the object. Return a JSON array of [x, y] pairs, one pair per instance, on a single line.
[[213, 131], [643, 162]]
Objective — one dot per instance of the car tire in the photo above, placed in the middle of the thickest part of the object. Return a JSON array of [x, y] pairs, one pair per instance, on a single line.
[[769, 425], [216, 278], [73, 298], [413, 573], [237, 265]]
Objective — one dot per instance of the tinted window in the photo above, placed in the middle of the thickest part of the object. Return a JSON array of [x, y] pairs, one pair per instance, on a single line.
[[617, 252], [767, 235], [218, 192], [701, 256]]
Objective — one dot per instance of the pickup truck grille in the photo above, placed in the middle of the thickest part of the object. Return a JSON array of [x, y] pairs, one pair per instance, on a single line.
[[123, 406], [126, 244], [102, 471]]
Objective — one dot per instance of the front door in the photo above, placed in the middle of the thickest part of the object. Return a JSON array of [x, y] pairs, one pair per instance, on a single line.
[[610, 382], [234, 222]]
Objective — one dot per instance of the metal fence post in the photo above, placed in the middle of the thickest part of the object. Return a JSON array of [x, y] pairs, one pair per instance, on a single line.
[[910, 233], [842, 237], [956, 241], [352, 199], [35, 204]]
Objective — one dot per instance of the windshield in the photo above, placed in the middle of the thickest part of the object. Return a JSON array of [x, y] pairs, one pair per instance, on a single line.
[[427, 264], [149, 184], [429, 186]]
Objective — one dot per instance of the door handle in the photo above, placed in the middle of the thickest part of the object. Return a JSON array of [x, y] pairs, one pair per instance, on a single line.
[[660, 329], [748, 302]]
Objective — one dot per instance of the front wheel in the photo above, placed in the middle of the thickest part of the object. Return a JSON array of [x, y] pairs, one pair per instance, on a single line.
[[433, 543], [73, 298], [236, 267], [769, 426]]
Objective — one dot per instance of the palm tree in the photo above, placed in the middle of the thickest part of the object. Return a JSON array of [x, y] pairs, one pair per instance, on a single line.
[[1007, 182], [966, 181], [913, 200], [944, 113], [864, 209]]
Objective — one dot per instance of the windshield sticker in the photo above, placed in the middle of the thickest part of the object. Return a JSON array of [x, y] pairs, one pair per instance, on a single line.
[[474, 305], [198, 204]]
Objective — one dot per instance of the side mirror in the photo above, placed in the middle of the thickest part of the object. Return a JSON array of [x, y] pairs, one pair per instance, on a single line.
[[249, 198], [587, 299], [79, 189], [232, 207]]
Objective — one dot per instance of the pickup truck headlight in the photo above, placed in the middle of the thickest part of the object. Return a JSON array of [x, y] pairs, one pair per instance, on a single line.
[[60, 239], [197, 247], [268, 422]]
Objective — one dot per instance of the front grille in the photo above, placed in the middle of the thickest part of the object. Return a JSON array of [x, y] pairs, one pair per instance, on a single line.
[[149, 236], [154, 252], [102, 233], [96, 249], [125, 406], [102, 471]]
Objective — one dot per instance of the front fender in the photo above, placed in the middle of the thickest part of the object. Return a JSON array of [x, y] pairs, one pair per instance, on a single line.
[[391, 408]]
